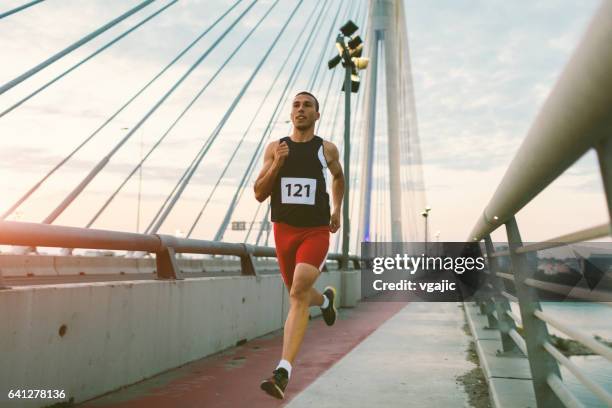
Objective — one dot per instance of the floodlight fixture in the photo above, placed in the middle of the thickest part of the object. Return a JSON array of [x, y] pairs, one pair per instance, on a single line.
[[357, 51], [334, 61], [360, 63], [348, 28], [354, 42], [340, 45]]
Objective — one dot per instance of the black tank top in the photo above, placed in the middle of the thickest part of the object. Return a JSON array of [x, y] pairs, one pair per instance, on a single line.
[[299, 196]]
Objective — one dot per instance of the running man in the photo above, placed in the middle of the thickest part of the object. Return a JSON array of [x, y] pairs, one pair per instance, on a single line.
[[294, 175]]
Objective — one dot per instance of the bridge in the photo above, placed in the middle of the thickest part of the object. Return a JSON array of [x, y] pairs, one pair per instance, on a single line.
[[135, 271]]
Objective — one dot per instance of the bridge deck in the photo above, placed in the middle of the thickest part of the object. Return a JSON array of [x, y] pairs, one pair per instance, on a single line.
[[376, 355]]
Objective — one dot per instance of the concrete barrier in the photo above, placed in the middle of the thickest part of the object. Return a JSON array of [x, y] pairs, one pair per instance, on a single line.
[[46, 265], [187, 265], [27, 265], [90, 265], [146, 265], [91, 338], [350, 287]]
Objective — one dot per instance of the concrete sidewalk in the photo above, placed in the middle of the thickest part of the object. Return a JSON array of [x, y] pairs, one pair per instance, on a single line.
[[508, 375], [413, 359]]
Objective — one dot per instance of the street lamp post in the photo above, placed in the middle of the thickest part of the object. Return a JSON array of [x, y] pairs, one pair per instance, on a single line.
[[425, 215], [349, 53]]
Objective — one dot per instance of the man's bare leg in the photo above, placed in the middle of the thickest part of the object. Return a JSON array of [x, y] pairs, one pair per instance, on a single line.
[[316, 298], [301, 297]]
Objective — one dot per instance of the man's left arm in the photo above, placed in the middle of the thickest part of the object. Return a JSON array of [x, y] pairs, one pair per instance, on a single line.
[[333, 164]]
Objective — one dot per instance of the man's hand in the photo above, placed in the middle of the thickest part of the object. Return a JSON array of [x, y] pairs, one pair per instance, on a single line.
[[334, 223], [280, 154], [274, 158]]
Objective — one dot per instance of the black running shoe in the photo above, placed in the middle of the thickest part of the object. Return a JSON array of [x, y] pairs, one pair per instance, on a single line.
[[275, 385], [329, 313]]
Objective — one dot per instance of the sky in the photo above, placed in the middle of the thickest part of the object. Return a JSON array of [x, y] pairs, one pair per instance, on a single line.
[[481, 71]]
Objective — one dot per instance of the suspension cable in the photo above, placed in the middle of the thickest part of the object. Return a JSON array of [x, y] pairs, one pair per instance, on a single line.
[[84, 60], [18, 9], [246, 238], [268, 130], [324, 103], [241, 140], [265, 217], [323, 49], [244, 134], [269, 207], [72, 47], [281, 102], [70, 198], [153, 221], [217, 130], [91, 136], [180, 116]]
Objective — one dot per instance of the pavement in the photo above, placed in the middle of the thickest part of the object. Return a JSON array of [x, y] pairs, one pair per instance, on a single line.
[[508, 374], [387, 354], [413, 359]]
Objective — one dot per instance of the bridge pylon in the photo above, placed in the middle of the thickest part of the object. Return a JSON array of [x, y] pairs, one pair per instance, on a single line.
[[390, 71]]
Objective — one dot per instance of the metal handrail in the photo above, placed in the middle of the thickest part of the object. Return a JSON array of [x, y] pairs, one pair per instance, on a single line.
[[506, 276], [589, 342], [514, 317], [518, 340], [599, 231], [164, 246], [573, 292], [565, 395], [573, 368], [509, 296], [574, 118]]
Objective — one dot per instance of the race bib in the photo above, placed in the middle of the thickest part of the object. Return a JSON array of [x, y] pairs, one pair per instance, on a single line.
[[296, 190]]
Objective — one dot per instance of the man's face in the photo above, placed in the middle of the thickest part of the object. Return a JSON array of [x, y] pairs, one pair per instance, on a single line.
[[303, 112]]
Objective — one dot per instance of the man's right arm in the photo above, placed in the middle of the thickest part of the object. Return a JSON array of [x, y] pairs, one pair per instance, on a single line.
[[274, 157]]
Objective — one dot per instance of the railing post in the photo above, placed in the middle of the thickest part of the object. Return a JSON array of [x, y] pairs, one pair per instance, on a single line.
[[487, 306], [165, 260], [247, 264], [535, 331], [2, 285], [505, 323], [604, 155]]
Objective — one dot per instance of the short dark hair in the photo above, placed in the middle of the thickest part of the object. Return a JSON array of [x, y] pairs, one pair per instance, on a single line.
[[312, 96]]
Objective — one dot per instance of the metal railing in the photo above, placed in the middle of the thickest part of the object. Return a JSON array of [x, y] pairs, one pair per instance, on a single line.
[[165, 247], [576, 117]]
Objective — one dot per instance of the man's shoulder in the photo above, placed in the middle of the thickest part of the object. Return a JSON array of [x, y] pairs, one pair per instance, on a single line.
[[274, 143], [329, 146], [330, 150]]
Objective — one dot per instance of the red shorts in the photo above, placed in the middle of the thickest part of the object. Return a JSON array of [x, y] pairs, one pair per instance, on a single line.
[[296, 245]]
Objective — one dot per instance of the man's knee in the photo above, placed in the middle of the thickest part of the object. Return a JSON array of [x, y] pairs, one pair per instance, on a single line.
[[299, 296], [303, 279]]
